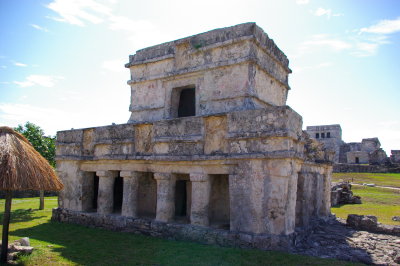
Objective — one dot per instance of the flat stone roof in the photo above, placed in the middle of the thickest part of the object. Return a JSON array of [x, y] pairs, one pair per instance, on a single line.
[[213, 37]]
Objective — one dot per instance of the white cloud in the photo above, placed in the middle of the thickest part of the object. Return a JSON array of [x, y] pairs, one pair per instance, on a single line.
[[302, 2], [127, 24], [39, 28], [78, 12], [325, 41], [49, 119], [40, 80], [20, 64], [326, 12], [365, 49], [4, 67], [318, 66], [368, 45], [321, 11], [52, 120], [384, 27], [356, 45], [114, 65]]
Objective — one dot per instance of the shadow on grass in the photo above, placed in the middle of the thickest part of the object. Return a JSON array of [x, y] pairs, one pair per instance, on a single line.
[[21, 215], [88, 246]]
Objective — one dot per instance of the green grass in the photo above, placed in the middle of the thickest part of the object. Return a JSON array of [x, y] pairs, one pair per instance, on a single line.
[[67, 244], [381, 202], [380, 179]]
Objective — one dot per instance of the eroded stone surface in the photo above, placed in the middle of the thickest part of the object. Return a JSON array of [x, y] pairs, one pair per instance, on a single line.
[[333, 239]]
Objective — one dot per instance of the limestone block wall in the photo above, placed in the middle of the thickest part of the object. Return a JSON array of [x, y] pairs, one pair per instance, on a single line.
[[313, 193], [377, 156], [395, 156], [277, 129], [363, 157], [239, 70], [249, 160], [370, 144]]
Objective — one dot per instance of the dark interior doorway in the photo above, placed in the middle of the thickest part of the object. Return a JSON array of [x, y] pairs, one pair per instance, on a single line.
[[183, 198], [95, 191], [180, 198], [118, 191], [187, 103], [357, 160]]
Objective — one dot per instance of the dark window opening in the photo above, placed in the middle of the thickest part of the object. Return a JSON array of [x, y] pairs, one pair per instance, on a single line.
[[328, 135], [118, 191], [95, 191], [357, 160], [220, 202], [147, 196], [187, 103], [323, 135], [317, 135]]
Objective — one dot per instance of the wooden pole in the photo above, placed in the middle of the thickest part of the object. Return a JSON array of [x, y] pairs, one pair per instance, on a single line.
[[6, 223], [41, 206]]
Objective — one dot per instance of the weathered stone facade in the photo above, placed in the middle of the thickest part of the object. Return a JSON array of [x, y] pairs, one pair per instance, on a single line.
[[368, 151], [210, 142], [395, 156]]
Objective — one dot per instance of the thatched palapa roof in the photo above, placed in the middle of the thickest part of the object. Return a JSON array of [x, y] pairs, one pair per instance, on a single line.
[[22, 167]]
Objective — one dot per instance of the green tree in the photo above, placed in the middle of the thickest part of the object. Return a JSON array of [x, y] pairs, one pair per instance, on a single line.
[[45, 145]]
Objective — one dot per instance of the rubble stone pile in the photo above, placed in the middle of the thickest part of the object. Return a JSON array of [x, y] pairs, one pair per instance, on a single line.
[[341, 194]]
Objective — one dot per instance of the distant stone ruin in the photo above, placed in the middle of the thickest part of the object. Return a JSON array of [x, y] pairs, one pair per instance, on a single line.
[[368, 151], [211, 152], [395, 156]]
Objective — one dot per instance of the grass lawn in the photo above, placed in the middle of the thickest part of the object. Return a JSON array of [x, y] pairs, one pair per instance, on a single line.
[[66, 244], [389, 180], [381, 202]]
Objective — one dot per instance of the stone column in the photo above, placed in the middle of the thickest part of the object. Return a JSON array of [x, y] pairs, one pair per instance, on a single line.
[[246, 192], [305, 203], [165, 196], [201, 190], [318, 191], [105, 199], [326, 202], [130, 193], [280, 195]]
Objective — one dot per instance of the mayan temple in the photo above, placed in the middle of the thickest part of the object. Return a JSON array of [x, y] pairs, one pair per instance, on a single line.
[[211, 152]]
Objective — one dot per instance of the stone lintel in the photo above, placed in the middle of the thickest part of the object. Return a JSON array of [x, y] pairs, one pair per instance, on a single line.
[[199, 177], [128, 174], [106, 173], [162, 176]]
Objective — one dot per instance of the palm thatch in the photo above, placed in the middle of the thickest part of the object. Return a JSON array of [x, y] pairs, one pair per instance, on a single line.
[[22, 167]]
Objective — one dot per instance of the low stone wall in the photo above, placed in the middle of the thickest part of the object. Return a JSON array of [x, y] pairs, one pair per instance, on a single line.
[[360, 168], [175, 231]]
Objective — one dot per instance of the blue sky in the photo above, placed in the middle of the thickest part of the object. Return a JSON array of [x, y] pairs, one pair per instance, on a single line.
[[62, 61]]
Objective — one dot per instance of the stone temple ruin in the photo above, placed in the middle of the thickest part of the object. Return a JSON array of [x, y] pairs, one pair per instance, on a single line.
[[211, 152], [368, 151]]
